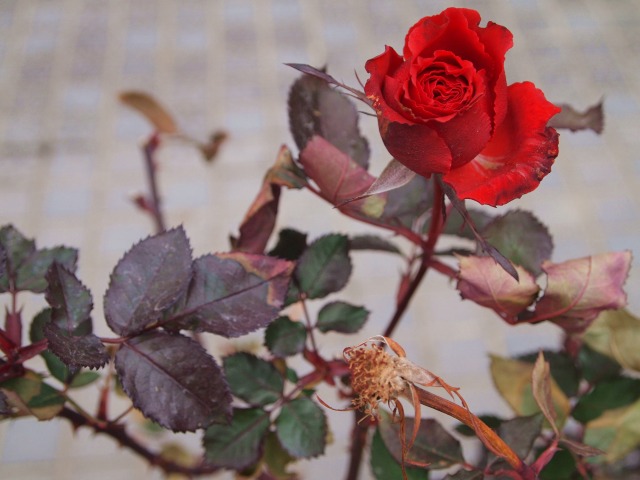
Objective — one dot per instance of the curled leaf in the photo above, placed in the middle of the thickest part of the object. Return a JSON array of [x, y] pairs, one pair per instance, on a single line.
[[151, 109], [578, 290], [394, 175], [541, 383], [485, 282]]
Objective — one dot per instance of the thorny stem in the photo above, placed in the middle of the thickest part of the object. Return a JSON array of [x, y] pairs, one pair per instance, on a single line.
[[156, 211], [120, 435], [435, 228]]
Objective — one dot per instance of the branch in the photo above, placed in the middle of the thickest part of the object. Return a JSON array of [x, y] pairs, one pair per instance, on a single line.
[[120, 435]]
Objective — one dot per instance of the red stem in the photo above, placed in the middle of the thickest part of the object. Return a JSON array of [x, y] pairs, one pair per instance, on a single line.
[[119, 434], [156, 211]]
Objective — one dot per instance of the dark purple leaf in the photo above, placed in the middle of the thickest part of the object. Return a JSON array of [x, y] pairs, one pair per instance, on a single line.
[[433, 445], [341, 317], [324, 267], [233, 294], [148, 281], [373, 242], [284, 337], [70, 301], [569, 117], [520, 433], [239, 444], [173, 381], [253, 379], [76, 350], [520, 237], [317, 109], [301, 428], [56, 367]]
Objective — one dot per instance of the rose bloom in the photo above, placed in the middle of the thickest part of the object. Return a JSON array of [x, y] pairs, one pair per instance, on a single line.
[[444, 107]]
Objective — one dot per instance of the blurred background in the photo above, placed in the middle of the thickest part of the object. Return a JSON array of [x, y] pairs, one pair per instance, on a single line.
[[70, 162]]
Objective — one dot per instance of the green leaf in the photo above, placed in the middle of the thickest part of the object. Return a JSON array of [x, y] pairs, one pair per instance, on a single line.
[[284, 337], [147, 281], [561, 467], [522, 238], [56, 367], [301, 428], [385, 467], [27, 266], [616, 334], [617, 432], [456, 225], [291, 244], [173, 381], [252, 379], [315, 108], [324, 267], [233, 294], [239, 444], [17, 249], [341, 317], [606, 395], [84, 378], [596, 366], [31, 274], [433, 445], [277, 459], [32, 396]]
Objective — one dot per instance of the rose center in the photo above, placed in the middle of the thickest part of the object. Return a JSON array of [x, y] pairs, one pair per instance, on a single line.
[[440, 86]]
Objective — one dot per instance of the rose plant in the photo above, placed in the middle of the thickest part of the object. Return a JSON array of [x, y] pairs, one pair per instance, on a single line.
[[456, 131]]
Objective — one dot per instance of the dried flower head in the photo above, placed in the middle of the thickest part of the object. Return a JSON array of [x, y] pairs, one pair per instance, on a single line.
[[374, 377]]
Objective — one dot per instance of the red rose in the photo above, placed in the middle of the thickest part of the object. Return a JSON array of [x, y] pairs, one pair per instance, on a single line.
[[445, 107]]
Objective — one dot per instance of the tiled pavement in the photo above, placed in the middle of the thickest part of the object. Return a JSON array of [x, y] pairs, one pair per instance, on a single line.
[[69, 157]]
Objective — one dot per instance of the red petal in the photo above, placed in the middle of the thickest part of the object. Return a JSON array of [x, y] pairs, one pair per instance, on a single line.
[[418, 147], [518, 156], [382, 70]]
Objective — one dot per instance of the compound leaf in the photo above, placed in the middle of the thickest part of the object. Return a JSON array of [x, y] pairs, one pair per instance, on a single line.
[[233, 294]]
